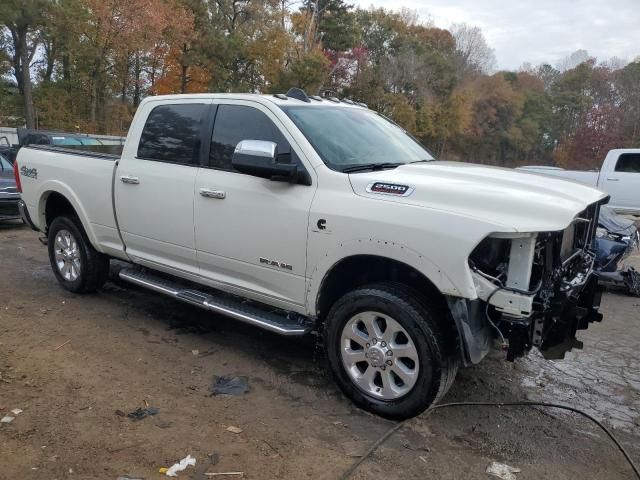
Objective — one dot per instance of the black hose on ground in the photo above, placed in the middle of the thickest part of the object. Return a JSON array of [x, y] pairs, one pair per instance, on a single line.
[[428, 412]]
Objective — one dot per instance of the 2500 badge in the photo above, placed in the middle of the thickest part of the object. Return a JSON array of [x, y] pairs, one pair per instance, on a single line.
[[29, 172], [390, 189]]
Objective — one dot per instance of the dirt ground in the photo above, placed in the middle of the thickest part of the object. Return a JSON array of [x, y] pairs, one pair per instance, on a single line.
[[69, 362]]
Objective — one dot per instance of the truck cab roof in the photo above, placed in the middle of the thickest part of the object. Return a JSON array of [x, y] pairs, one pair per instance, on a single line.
[[279, 99]]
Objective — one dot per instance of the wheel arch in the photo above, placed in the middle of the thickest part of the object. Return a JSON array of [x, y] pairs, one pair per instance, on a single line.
[[57, 200], [361, 269], [359, 253]]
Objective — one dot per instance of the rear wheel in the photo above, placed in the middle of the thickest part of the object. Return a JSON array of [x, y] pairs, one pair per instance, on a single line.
[[76, 264], [388, 352]]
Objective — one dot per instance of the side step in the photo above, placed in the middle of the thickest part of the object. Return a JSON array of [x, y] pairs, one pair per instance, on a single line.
[[290, 324]]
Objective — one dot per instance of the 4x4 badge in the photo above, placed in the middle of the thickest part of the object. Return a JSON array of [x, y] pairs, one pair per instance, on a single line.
[[29, 172]]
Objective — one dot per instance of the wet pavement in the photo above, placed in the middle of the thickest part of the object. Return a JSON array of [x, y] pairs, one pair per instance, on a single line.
[[69, 361], [603, 379]]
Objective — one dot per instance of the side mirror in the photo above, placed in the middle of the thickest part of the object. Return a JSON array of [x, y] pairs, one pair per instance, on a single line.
[[258, 158]]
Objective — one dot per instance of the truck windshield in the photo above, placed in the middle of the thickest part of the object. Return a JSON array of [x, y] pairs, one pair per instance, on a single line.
[[347, 138]]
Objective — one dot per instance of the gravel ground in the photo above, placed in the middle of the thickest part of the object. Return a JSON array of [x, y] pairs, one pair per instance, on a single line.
[[69, 362]]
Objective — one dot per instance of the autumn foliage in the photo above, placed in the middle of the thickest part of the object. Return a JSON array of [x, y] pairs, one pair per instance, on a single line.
[[86, 65]]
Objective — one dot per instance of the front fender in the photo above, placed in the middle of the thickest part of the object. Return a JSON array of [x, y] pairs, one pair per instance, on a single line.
[[379, 248]]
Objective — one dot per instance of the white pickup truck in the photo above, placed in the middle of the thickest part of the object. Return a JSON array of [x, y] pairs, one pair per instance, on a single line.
[[299, 214], [619, 176]]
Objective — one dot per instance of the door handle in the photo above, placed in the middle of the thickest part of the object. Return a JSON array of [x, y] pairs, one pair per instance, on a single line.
[[130, 180], [611, 179], [208, 193]]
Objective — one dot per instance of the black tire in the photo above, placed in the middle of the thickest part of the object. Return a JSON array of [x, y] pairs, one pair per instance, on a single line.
[[427, 327], [94, 266]]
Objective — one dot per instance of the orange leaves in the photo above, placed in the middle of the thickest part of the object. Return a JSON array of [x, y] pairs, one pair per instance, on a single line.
[[179, 77], [130, 25], [269, 51]]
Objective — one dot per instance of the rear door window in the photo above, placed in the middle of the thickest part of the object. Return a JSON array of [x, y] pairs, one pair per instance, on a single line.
[[172, 133], [629, 163], [235, 123]]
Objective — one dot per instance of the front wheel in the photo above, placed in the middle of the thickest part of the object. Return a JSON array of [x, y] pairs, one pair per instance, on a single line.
[[388, 352], [78, 266]]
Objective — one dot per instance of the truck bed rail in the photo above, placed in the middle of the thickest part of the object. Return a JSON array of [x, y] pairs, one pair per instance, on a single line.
[[72, 151]]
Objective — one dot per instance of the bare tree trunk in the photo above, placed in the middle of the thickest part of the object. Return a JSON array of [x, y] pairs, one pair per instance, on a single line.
[[51, 52], [152, 70], [123, 91], [96, 91], [66, 68], [29, 114], [185, 67], [16, 58], [183, 79], [137, 70], [101, 106], [94, 99], [125, 77]]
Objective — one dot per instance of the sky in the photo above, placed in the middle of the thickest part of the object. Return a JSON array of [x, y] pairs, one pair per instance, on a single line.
[[538, 31]]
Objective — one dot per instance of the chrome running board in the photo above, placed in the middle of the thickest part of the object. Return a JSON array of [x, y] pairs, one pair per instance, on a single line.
[[290, 324]]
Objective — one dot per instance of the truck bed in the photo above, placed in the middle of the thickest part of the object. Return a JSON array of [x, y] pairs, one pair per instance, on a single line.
[[91, 176]]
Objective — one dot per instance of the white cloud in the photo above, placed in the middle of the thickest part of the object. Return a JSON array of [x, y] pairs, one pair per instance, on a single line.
[[538, 31]]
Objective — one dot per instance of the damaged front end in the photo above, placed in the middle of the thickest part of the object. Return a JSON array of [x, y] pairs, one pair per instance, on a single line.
[[534, 290]]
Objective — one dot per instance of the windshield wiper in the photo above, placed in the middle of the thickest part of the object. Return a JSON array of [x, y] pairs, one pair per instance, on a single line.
[[370, 166]]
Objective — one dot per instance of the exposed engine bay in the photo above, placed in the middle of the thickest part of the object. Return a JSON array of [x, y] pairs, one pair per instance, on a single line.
[[538, 289]]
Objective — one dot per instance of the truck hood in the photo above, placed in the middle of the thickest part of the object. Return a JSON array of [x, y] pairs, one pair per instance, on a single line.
[[511, 200]]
